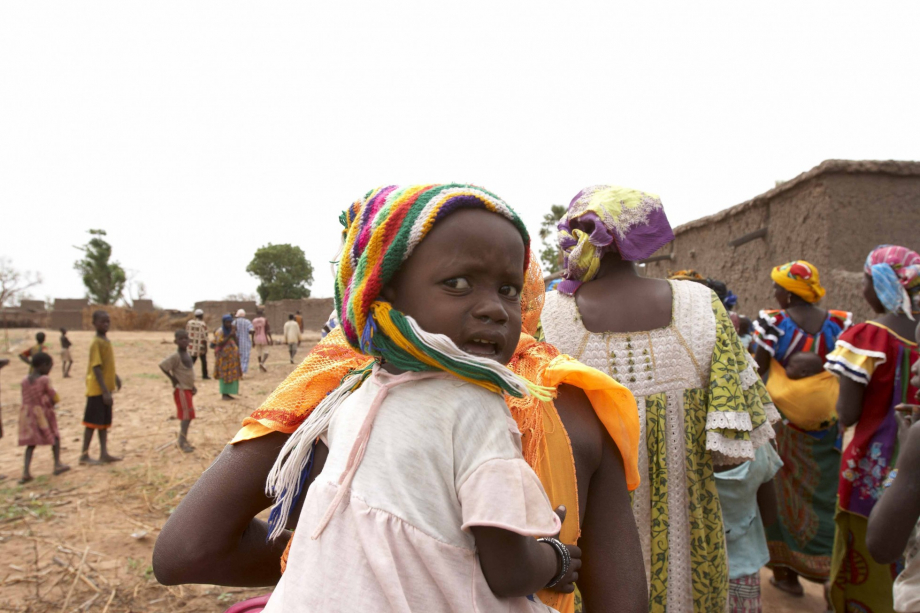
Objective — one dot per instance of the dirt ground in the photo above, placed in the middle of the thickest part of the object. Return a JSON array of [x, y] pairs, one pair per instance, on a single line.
[[83, 541]]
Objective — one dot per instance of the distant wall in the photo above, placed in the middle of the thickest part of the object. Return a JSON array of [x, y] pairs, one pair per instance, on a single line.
[[143, 306], [71, 320], [35, 306], [315, 312], [215, 309], [831, 216], [70, 304]]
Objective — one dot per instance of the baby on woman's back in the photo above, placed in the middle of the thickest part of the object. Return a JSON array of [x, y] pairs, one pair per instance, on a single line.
[[804, 364]]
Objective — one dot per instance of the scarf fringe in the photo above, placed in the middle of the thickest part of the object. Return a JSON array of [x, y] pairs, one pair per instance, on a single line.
[[286, 477]]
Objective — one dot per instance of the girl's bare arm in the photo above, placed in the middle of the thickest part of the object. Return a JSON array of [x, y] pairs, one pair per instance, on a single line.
[[213, 536]]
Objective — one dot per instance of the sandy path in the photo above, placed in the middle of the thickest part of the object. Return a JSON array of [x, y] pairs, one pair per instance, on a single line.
[[48, 525]]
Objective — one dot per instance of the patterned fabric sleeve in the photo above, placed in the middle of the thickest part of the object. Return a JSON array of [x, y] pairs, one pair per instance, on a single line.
[[859, 351], [844, 319], [740, 413], [768, 330]]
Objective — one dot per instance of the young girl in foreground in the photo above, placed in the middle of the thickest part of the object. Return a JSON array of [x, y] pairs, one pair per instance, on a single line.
[[425, 502]]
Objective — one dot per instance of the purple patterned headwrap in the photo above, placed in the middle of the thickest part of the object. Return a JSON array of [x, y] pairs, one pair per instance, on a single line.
[[605, 218]]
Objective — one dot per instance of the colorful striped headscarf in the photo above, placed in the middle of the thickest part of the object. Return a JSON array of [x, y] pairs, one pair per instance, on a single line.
[[604, 218], [391, 223], [800, 278], [895, 275], [382, 231]]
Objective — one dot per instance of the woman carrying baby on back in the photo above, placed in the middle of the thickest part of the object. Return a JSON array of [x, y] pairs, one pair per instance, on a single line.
[[792, 345]]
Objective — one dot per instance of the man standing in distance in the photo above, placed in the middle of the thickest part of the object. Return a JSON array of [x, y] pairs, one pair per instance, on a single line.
[[198, 341]]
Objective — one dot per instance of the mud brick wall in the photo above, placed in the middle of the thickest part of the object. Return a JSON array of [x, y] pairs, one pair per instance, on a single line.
[[315, 312], [831, 216]]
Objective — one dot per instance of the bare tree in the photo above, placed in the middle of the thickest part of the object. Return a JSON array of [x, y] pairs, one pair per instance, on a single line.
[[13, 283]]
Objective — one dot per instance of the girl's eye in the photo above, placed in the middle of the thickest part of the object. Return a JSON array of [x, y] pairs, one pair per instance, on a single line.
[[457, 283], [510, 291]]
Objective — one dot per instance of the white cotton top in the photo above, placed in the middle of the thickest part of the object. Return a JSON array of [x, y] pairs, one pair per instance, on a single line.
[[442, 455]]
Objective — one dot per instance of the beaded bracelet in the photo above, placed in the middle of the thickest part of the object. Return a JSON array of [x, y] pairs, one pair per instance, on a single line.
[[563, 552]]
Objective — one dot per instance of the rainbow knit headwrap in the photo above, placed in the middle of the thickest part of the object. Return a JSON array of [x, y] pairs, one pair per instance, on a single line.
[[383, 232]]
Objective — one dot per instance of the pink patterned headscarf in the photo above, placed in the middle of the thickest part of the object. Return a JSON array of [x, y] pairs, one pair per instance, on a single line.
[[895, 273]]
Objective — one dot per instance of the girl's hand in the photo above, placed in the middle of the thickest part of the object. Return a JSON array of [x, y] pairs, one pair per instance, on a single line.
[[566, 585]]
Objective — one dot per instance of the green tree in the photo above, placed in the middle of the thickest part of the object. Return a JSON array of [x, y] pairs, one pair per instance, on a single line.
[[283, 271], [104, 280], [550, 255]]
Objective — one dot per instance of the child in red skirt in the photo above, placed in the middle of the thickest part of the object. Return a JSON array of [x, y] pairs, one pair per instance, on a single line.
[[37, 421], [179, 367]]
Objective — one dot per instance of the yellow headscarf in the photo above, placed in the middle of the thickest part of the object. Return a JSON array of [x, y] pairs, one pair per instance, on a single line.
[[800, 278]]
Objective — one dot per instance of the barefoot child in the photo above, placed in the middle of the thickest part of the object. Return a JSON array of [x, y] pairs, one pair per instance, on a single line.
[[38, 347], [66, 359], [100, 379], [37, 421], [180, 369]]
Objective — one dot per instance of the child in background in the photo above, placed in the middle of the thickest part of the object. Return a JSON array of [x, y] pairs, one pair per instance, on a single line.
[[748, 506], [100, 380], [261, 338], [3, 363], [292, 335], [38, 347], [66, 359], [180, 369], [37, 421]]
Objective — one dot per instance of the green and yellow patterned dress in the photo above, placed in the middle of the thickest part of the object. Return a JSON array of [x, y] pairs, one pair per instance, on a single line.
[[701, 404]]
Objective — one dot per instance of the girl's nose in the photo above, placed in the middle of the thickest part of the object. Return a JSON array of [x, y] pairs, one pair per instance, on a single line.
[[490, 307]]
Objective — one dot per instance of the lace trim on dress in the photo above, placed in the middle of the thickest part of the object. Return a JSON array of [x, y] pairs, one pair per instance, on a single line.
[[731, 451], [733, 420], [749, 376], [772, 412], [680, 569]]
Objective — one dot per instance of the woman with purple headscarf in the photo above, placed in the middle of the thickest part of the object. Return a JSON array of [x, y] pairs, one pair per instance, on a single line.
[[701, 403]]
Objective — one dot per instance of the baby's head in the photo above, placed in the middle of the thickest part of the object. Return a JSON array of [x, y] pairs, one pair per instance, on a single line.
[[744, 325], [804, 364], [451, 257]]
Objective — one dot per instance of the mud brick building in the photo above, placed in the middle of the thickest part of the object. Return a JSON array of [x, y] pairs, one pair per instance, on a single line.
[[831, 216]]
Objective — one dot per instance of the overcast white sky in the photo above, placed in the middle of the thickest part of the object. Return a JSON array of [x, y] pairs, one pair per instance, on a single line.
[[196, 132]]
